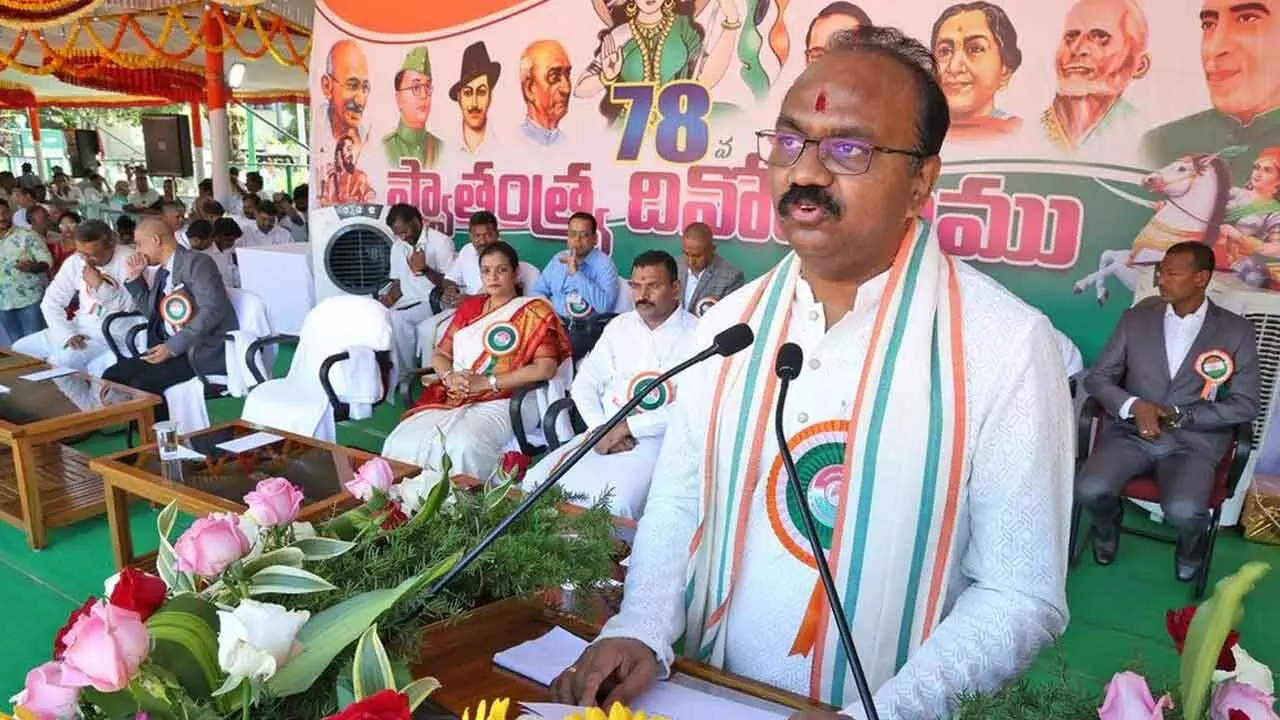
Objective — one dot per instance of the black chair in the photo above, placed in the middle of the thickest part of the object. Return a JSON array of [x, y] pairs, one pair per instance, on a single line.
[[552, 416], [1144, 487], [341, 410], [212, 390]]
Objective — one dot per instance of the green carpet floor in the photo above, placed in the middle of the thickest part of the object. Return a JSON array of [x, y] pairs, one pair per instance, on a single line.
[[1117, 612]]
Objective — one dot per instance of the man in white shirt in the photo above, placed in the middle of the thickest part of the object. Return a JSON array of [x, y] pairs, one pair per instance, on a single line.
[[930, 425], [1179, 373], [94, 274], [174, 215], [23, 200], [419, 258], [634, 348], [463, 277], [263, 229], [143, 195], [293, 212], [225, 232], [63, 194]]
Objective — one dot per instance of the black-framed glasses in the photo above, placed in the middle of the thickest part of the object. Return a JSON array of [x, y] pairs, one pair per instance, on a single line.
[[418, 89], [842, 156]]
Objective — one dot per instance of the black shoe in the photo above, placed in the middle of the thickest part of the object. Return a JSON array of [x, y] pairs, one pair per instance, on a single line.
[[1106, 540], [1189, 557]]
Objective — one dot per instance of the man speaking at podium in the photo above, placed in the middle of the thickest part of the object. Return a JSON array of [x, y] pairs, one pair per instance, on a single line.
[[931, 426]]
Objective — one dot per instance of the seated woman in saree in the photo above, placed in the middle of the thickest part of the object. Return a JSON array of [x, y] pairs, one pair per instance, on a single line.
[[497, 343]]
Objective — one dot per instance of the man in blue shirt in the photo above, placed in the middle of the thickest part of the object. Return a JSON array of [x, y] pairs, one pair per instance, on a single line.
[[582, 284]]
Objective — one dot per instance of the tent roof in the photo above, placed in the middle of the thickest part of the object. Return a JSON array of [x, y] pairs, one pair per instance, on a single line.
[[264, 75]]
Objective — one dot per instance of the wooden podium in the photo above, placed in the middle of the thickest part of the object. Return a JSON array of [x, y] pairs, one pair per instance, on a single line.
[[459, 653]]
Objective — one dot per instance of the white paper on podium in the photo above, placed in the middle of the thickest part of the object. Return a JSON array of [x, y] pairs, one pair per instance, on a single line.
[[544, 658], [49, 374]]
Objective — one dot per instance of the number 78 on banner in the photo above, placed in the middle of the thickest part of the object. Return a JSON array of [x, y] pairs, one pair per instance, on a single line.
[[680, 111]]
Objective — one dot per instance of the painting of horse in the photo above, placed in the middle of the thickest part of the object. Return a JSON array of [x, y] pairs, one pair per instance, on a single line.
[[1194, 191]]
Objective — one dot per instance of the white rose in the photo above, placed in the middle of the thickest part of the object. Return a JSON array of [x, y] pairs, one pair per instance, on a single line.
[[109, 585], [257, 639], [1248, 671], [412, 492]]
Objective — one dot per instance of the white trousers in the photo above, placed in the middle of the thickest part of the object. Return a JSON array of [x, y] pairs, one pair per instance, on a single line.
[[94, 359], [625, 475], [404, 330]]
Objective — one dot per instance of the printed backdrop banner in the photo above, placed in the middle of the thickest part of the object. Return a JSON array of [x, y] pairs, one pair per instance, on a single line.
[[1087, 137]]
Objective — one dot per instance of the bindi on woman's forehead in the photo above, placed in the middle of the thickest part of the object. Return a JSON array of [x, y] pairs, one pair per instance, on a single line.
[[820, 102]]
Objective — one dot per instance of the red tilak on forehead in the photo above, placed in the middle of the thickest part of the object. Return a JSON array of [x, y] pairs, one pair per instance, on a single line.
[[820, 104]]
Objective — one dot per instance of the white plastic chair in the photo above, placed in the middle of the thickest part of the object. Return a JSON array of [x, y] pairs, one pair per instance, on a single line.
[[187, 401], [349, 333]]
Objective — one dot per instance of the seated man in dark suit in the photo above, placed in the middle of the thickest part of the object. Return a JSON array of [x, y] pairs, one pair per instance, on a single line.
[[1176, 377], [187, 310], [707, 278]]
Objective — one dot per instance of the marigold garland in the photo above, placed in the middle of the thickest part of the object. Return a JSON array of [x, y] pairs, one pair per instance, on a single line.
[[179, 82], [16, 96], [265, 25], [33, 14]]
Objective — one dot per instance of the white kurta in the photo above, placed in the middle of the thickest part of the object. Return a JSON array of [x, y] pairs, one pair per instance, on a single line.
[[51, 344], [414, 307], [1006, 597], [628, 352]]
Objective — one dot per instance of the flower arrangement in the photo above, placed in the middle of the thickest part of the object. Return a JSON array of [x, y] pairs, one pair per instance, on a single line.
[[255, 615], [497, 710], [1218, 679]]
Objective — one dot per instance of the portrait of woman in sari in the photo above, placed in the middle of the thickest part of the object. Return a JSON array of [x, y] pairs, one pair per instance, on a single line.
[[497, 343], [661, 41]]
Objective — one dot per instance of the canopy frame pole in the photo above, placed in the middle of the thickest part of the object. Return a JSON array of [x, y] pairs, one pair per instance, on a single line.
[[33, 121], [197, 141], [219, 134]]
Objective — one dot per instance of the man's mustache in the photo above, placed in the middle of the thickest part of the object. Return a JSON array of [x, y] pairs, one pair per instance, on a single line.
[[809, 195], [353, 106], [644, 303]]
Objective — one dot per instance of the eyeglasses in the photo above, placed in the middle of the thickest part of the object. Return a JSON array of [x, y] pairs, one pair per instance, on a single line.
[[418, 89], [354, 84], [842, 156]]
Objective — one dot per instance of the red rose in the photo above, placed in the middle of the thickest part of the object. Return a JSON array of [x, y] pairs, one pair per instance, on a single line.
[[1177, 622], [139, 592], [1237, 714], [385, 705], [58, 647], [514, 463], [391, 517]]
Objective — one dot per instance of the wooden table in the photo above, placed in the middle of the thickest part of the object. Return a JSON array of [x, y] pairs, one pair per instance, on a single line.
[[44, 485], [219, 482], [459, 653], [10, 360]]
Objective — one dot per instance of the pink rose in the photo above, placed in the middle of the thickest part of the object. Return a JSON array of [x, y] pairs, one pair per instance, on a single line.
[[1129, 698], [1236, 698], [105, 648], [48, 695], [373, 475], [210, 545], [274, 503]]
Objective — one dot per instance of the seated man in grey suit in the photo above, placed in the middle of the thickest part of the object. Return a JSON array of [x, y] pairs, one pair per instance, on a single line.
[[705, 276], [187, 310], [1179, 373]]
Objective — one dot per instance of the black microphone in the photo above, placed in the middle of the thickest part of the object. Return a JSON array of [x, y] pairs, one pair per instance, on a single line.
[[726, 343], [787, 368]]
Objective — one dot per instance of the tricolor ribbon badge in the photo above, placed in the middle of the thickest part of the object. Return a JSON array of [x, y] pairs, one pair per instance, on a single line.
[[1216, 367], [704, 305], [577, 306], [177, 308]]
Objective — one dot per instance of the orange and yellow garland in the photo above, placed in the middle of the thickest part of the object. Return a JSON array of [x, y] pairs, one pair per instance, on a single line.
[[33, 14], [266, 26]]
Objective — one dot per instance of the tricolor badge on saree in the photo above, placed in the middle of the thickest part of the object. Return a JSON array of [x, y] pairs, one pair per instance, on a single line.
[[501, 338], [1216, 367]]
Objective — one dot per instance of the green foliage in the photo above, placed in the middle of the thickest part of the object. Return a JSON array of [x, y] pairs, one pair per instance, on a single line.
[[1208, 631], [544, 549]]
